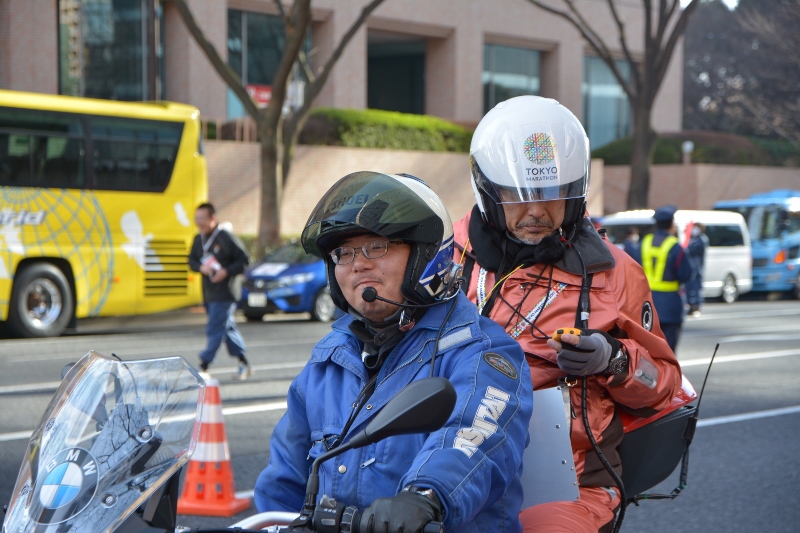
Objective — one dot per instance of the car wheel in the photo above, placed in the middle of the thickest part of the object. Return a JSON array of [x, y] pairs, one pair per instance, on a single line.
[[796, 291], [730, 292], [324, 308], [252, 316], [41, 302]]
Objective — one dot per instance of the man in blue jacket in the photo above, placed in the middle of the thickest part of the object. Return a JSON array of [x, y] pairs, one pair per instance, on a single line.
[[388, 244]]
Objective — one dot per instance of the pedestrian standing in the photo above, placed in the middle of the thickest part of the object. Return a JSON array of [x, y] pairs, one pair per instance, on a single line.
[[698, 243], [219, 256], [666, 265]]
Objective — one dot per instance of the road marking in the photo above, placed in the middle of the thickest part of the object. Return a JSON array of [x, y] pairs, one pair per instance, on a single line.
[[748, 416], [720, 359], [226, 411], [49, 386], [157, 351], [716, 421], [17, 435], [739, 357], [755, 313]]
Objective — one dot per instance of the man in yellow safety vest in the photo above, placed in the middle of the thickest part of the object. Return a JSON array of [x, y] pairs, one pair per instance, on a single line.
[[666, 266]]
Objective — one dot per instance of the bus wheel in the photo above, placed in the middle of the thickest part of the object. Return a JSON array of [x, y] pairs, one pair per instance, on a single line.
[[41, 302]]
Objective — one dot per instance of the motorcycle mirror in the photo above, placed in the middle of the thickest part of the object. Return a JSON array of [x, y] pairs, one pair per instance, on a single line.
[[66, 369], [421, 407]]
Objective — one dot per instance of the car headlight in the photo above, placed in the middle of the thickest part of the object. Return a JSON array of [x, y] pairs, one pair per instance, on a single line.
[[295, 279]]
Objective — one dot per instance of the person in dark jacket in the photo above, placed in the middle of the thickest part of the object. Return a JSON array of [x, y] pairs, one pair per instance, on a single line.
[[219, 256], [666, 265], [698, 244]]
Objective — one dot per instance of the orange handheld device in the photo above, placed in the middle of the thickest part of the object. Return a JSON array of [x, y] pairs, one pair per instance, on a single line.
[[564, 331]]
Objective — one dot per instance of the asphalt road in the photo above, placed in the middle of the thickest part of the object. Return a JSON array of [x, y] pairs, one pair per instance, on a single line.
[[744, 465]]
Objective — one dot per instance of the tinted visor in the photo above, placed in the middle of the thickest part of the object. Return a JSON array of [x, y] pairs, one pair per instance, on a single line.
[[370, 202]]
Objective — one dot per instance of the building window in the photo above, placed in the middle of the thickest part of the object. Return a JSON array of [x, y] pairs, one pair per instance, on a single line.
[[111, 49], [607, 115], [507, 72], [255, 45]]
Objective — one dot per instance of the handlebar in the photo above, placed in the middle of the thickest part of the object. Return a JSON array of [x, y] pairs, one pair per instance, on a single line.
[[278, 522]]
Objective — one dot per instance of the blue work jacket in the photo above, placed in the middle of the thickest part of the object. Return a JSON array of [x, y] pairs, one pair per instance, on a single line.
[[473, 463]]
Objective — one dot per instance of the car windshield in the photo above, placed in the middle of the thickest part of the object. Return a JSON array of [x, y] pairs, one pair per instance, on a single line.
[[290, 253]]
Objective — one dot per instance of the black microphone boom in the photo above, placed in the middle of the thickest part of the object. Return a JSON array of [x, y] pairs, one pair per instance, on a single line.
[[369, 294]]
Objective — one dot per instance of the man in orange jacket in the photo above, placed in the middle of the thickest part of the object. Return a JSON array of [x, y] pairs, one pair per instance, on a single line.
[[535, 264]]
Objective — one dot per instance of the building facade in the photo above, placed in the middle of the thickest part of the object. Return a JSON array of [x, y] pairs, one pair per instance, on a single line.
[[449, 58]]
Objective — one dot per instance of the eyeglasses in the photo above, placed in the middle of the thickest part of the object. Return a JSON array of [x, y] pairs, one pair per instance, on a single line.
[[344, 255]]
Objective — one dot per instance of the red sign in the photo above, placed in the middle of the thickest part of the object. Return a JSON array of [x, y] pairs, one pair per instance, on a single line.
[[261, 94]]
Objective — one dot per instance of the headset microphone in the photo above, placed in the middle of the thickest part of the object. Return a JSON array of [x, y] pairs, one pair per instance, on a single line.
[[369, 294]]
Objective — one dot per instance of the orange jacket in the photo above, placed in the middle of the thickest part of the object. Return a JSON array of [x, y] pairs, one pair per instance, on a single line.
[[620, 303]]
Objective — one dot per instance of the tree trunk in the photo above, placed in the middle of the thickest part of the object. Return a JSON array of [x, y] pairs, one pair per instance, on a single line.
[[271, 178], [641, 158], [293, 125]]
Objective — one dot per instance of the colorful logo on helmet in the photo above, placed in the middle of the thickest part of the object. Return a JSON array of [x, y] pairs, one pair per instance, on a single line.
[[540, 149], [66, 486]]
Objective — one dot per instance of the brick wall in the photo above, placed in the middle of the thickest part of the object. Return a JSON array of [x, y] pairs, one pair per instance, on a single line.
[[233, 176], [697, 186], [29, 45]]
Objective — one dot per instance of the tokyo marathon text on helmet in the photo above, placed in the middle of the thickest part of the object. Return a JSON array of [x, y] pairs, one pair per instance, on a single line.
[[529, 149]]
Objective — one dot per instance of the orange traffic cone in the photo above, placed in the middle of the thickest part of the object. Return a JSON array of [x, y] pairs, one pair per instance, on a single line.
[[208, 489]]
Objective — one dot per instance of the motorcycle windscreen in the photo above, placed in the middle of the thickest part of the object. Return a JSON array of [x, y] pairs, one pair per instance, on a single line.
[[548, 468], [113, 433]]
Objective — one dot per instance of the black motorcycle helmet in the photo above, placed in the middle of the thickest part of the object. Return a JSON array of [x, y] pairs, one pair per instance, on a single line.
[[396, 207]]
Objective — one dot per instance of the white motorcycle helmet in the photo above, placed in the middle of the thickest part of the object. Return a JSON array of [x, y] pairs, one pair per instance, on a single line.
[[394, 206], [529, 149]]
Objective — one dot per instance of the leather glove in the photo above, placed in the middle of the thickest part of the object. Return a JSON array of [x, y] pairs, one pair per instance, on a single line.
[[406, 512], [590, 356]]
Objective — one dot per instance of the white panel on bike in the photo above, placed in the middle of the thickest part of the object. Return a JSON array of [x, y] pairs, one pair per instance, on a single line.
[[548, 469], [266, 519]]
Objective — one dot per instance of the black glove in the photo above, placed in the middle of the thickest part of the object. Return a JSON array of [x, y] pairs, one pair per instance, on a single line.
[[590, 356], [406, 512]]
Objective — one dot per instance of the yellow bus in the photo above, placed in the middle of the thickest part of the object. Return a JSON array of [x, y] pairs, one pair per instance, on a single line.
[[97, 201]]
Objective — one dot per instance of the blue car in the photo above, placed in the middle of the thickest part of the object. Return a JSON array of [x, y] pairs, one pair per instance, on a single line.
[[290, 281]]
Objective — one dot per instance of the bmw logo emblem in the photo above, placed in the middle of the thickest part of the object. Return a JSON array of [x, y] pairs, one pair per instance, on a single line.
[[647, 316], [64, 487]]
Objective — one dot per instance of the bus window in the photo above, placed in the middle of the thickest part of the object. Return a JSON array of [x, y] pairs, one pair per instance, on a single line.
[[133, 155], [42, 149]]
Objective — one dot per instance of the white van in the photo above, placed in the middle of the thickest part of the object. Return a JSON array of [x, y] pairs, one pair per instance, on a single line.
[[727, 271]]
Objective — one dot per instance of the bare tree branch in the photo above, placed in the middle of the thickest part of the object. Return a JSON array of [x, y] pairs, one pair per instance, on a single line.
[[594, 40], [223, 69], [646, 76], [313, 89]]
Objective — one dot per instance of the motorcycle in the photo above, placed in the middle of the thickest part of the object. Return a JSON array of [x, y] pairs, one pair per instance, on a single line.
[[107, 453]]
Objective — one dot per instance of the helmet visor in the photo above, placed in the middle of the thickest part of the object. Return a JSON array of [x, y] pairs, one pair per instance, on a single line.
[[534, 162], [376, 203]]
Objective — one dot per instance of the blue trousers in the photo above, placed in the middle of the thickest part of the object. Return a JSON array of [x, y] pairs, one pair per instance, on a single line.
[[221, 325], [694, 291]]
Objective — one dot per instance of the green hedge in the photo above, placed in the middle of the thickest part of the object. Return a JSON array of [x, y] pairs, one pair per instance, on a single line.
[[372, 128], [709, 147]]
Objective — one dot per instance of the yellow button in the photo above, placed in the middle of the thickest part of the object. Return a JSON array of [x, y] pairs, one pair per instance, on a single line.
[[342, 469]]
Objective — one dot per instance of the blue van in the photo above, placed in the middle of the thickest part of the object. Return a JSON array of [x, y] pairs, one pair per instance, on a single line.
[[774, 221]]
